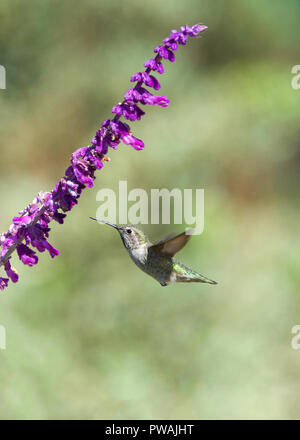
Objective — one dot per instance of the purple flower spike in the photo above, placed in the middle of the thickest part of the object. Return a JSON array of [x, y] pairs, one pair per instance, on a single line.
[[31, 228]]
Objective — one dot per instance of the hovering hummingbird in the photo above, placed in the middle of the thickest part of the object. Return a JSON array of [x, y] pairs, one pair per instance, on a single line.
[[157, 259]]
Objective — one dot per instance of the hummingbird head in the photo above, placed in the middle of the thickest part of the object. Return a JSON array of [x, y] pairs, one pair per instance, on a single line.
[[132, 236]]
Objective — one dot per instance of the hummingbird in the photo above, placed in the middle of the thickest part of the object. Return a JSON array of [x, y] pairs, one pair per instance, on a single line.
[[156, 259]]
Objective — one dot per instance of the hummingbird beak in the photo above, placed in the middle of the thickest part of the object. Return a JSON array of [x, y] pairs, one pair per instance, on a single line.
[[106, 223]]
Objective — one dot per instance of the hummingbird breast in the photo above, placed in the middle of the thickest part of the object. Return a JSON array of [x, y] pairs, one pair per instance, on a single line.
[[139, 255], [153, 263]]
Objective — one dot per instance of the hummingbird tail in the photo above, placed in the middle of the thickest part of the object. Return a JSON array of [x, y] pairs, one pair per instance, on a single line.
[[186, 275], [198, 279]]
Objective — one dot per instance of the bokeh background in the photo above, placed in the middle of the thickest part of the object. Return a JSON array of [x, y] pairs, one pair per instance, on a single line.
[[88, 334]]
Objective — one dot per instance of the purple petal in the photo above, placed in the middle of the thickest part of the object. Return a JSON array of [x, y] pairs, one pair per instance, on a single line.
[[171, 56], [198, 28], [136, 77], [52, 251], [22, 220], [117, 109], [151, 64], [162, 52], [151, 81], [3, 283], [59, 217], [161, 101], [11, 272], [137, 144], [27, 255]]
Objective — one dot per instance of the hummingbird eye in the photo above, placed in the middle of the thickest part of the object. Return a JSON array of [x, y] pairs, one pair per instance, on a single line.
[[128, 231]]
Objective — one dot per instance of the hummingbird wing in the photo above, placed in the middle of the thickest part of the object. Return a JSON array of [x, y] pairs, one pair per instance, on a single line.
[[165, 238], [171, 245]]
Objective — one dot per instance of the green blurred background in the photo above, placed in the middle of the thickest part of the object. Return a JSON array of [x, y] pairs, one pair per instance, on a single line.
[[88, 334]]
